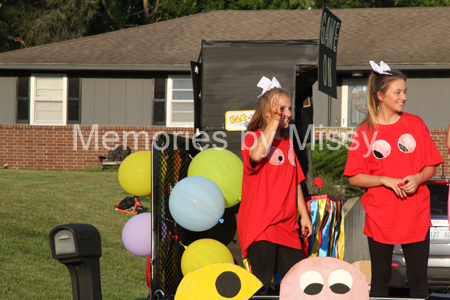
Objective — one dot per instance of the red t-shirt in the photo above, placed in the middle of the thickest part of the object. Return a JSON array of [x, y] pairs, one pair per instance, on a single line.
[[268, 208], [397, 150]]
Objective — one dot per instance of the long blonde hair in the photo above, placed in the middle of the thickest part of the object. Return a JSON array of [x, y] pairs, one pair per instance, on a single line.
[[263, 105], [377, 83]]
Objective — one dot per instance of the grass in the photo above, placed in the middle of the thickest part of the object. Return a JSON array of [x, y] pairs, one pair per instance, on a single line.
[[32, 203]]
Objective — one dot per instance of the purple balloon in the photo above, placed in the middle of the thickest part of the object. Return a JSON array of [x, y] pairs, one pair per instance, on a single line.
[[137, 234]]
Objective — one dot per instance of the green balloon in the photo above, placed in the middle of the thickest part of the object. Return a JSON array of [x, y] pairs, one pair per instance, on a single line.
[[224, 168]]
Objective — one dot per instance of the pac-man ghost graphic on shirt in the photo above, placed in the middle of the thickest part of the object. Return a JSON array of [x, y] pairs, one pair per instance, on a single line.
[[217, 282], [324, 278]]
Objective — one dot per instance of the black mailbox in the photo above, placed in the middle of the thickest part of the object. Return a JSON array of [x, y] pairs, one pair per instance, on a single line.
[[78, 247]]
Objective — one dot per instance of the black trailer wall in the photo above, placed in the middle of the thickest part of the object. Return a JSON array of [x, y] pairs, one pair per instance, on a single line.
[[231, 70]]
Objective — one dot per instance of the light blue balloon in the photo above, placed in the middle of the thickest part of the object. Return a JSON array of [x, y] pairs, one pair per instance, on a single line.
[[196, 203]]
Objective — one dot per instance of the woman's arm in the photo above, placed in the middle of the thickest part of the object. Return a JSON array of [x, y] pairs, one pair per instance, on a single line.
[[305, 221], [448, 137], [413, 181], [368, 181], [263, 142]]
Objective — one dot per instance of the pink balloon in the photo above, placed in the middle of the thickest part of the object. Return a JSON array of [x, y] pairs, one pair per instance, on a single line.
[[137, 234]]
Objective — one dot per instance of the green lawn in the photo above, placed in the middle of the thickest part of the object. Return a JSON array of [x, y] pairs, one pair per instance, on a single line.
[[32, 203]]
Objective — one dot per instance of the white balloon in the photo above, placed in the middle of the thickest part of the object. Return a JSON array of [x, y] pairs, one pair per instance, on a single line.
[[196, 203]]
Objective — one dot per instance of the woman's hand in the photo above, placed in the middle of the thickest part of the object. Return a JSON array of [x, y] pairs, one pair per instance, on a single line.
[[306, 226], [395, 185], [305, 222], [275, 106], [410, 183]]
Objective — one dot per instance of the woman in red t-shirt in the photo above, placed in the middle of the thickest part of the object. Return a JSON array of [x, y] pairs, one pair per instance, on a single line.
[[392, 155], [271, 193]]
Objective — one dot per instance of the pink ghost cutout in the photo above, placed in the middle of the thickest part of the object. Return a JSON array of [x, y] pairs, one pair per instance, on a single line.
[[324, 278]]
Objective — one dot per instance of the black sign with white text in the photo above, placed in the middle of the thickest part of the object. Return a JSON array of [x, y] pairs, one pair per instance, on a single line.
[[196, 75], [329, 34]]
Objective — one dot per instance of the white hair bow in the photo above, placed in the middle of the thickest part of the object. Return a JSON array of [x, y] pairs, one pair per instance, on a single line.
[[380, 69], [267, 84]]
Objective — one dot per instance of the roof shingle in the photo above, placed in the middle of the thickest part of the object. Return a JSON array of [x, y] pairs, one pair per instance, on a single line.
[[417, 36]]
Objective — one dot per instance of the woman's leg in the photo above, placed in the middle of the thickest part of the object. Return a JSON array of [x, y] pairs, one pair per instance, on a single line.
[[416, 257], [381, 260], [262, 257], [287, 258]]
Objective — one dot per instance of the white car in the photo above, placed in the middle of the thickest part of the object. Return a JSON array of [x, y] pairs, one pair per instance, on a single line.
[[439, 260]]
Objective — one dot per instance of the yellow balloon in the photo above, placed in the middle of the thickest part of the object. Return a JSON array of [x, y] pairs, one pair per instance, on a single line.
[[218, 281], [224, 168], [204, 252], [135, 174]]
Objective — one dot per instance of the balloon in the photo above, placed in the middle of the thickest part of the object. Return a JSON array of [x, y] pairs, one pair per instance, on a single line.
[[135, 174], [137, 234], [224, 168], [204, 252], [196, 203]]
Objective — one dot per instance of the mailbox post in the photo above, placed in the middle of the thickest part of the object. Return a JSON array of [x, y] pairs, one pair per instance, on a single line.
[[78, 247]]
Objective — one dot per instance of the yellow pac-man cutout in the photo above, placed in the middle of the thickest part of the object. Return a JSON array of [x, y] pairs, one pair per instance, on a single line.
[[218, 281]]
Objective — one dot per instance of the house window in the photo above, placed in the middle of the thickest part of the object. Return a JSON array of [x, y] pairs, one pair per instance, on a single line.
[[354, 102], [23, 100], [48, 99], [180, 101], [74, 101], [159, 102]]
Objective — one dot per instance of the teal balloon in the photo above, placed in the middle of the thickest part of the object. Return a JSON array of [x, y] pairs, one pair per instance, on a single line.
[[224, 168], [196, 203]]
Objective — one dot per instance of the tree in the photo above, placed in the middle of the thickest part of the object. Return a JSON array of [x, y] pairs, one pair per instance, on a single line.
[[31, 23], [118, 14], [378, 3], [15, 17], [25, 23], [62, 20]]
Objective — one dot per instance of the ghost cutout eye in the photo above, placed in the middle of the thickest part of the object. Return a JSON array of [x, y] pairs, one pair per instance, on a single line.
[[407, 143], [381, 149], [311, 282], [276, 156], [340, 281]]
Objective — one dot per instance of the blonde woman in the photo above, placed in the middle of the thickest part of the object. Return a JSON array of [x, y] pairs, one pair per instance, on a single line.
[[271, 194], [392, 156]]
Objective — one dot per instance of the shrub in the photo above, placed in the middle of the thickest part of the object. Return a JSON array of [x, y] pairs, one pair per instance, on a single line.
[[328, 163]]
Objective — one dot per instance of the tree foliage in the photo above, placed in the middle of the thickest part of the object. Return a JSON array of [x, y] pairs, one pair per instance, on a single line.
[[30, 23], [378, 3], [25, 23], [62, 20]]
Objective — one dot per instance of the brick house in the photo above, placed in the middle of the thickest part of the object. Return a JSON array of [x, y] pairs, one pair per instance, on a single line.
[[136, 82]]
